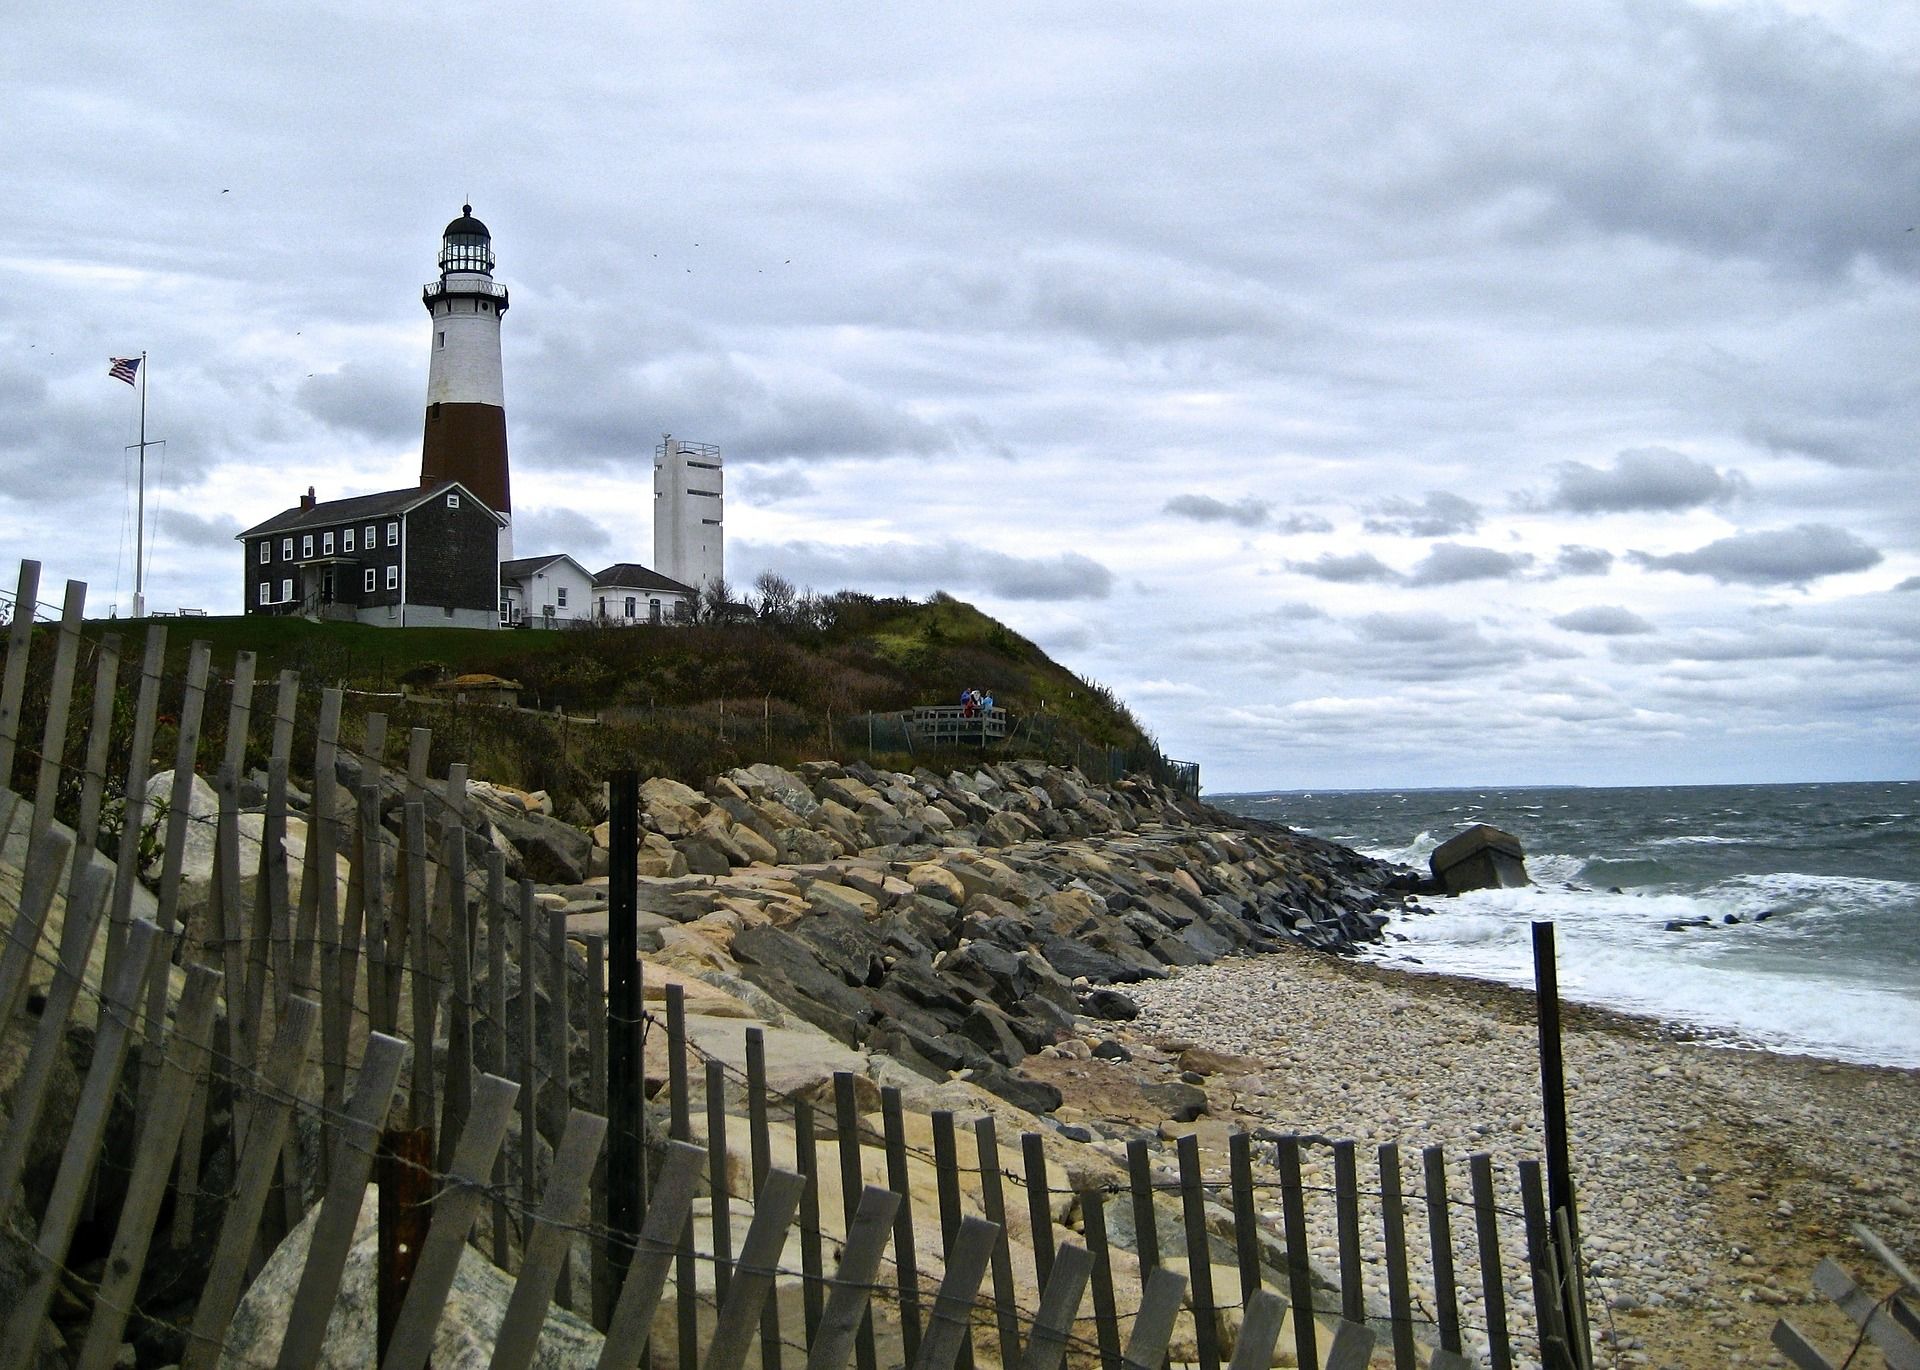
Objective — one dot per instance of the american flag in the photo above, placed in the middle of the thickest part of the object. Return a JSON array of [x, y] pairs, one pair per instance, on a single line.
[[123, 368]]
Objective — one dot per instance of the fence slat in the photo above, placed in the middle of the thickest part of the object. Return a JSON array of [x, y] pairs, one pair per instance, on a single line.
[[846, 1116], [1542, 1261], [1246, 1232], [807, 1162], [1146, 1228], [187, 1044], [718, 1199], [1493, 1285], [417, 946], [1206, 1333], [50, 1037], [93, 767], [600, 1271], [686, 1307], [457, 1093], [13, 685], [529, 1062], [1895, 1342], [946, 1175], [668, 1209], [1394, 1231], [226, 1273], [773, 1205], [352, 1165], [760, 1140], [499, 915], [1352, 1346], [1093, 1225], [133, 816], [546, 1251], [561, 1072], [53, 736], [1433, 1160], [851, 1285], [1790, 1342], [83, 1147], [993, 1205], [949, 1322], [453, 1214], [1039, 1205], [193, 702], [1293, 1209], [1260, 1329], [1059, 1306], [1153, 1325], [1346, 1203]]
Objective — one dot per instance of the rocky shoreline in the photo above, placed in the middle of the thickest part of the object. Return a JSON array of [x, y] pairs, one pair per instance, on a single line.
[[958, 923], [1712, 1180]]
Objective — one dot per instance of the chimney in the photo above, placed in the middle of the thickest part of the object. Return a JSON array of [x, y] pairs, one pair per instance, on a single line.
[[306, 500]]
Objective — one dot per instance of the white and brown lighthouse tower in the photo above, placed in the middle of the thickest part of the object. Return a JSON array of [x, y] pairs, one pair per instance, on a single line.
[[466, 428]]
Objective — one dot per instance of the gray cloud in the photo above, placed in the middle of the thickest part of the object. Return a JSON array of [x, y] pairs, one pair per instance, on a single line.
[[1605, 620], [763, 486], [1910, 583], [1247, 511], [542, 532], [919, 566], [1438, 514], [1575, 560], [193, 530], [1641, 478], [368, 400], [1302, 523], [1783, 556], [1345, 570], [1449, 563]]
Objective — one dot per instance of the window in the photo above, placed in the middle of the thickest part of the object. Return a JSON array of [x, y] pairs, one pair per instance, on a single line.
[[286, 549], [441, 339], [326, 544], [393, 534], [286, 592], [346, 540], [560, 596], [630, 605], [393, 577], [266, 592], [369, 541], [306, 547], [506, 612], [266, 551], [453, 500], [373, 580]]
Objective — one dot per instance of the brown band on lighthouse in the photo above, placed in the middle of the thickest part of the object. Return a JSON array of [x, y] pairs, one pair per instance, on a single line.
[[468, 443]]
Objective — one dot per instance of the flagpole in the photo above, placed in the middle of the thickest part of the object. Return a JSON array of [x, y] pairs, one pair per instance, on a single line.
[[140, 508]]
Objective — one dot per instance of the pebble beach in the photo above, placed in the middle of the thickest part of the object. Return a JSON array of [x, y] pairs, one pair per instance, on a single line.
[[1710, 1180]]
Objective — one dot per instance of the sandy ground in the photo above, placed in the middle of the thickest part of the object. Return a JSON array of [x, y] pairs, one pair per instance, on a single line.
[[1711, 1181]]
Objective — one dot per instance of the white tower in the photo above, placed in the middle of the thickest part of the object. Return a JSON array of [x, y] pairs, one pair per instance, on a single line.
[[688, 498], [466, 426]]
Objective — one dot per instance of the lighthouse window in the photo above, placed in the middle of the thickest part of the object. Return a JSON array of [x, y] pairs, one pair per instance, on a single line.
[[441, 338], [393, 535]]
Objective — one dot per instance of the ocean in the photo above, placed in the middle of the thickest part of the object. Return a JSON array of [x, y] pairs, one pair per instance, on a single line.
[[1832, 970]]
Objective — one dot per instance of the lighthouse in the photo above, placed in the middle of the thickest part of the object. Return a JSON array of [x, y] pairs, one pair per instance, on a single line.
[[466, 425]]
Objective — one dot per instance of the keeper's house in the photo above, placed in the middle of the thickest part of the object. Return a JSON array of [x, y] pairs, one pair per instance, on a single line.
[[419, 557]]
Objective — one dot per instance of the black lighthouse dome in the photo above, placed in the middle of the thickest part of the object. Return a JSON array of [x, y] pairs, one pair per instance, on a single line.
[[466, 245]]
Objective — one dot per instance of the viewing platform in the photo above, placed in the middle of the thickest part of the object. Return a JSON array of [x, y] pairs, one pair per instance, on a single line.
[[949, 723]]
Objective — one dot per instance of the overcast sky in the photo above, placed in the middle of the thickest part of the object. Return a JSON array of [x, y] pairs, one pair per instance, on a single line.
[[1381, 395]]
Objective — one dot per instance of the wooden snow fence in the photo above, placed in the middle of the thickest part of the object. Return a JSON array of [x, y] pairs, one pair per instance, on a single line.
[[1891, 1322], [379, 1003]]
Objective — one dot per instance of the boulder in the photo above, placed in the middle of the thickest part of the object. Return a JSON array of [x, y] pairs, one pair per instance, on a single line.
[[467, 1331], [1481, 858]]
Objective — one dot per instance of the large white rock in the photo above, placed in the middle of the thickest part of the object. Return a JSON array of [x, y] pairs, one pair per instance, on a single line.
[[468, 1328]]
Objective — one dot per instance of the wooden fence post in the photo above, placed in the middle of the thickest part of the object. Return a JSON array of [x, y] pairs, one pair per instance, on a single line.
[[133, 812], [847, 1129], [13, 684], [1206, 1333], [668, 1211], [625, 1089], [546, 1251], [1394, 1231], [1493, 1286]]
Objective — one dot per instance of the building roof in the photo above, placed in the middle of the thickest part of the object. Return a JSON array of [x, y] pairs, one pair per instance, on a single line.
[[384, 504], [522, 567], [631, 575], [466, 223]]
